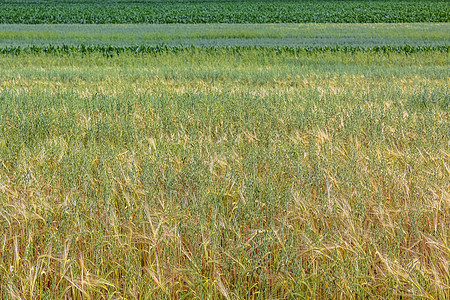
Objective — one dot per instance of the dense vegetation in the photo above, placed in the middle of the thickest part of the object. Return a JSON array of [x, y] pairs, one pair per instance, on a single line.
[[236, 174], [234, 161], [151, 11], [110, 51]]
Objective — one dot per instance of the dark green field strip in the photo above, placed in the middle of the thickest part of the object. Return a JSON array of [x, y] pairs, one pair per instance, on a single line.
[[111, 51], [150, 11], [212, 35]]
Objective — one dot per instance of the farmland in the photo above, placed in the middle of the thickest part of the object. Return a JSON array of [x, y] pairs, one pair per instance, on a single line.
[[195, 11], [232, 160], [227, 35], [242, 175]]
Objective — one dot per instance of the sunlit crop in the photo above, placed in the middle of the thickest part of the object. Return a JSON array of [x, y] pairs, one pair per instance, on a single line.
[[237, 174]]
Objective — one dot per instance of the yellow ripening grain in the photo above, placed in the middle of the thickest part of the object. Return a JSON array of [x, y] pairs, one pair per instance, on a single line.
[[215, 175]]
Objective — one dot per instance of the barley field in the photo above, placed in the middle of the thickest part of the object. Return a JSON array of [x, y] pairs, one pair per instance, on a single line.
[[225, 174]]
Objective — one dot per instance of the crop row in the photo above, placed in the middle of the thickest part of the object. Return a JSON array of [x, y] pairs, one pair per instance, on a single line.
[[359, 11], [110, 51]]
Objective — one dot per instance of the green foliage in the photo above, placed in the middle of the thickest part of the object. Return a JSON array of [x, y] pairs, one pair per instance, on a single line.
[[110, 51], [152, 11]]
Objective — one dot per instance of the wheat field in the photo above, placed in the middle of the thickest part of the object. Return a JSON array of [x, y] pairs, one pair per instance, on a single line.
[[237, 175]]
